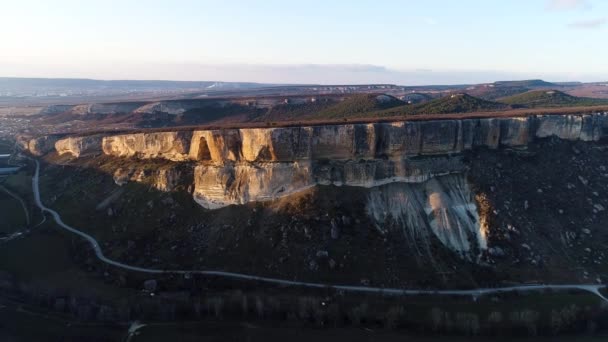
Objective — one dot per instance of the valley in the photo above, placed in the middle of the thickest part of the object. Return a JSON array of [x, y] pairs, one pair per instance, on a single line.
[[419, 210]]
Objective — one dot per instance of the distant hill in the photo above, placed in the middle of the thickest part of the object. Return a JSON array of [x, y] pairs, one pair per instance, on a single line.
[[549, 98], [492, 92], [526, 84]]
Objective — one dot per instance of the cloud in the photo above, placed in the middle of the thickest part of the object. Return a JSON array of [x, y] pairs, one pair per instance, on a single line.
[[589, 24], [565, 5]]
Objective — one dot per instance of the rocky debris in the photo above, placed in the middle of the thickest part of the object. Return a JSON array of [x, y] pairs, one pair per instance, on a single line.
[[322, 254], [165, 178], [150, 285], [496, 252], [335, 230]]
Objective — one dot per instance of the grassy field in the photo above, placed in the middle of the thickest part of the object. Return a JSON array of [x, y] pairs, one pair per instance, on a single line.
[[13, 217], [29, 324], [42, 259], [20, 184], [253, 331]]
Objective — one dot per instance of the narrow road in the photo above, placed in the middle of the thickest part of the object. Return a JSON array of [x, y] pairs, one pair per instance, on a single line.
[[592, 288]]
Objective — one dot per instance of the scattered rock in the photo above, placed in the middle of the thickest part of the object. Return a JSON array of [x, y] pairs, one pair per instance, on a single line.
[[168, 201], [496, 251], [583, 180], [335, 230], [313, 266], [322, 254], [150, 285]]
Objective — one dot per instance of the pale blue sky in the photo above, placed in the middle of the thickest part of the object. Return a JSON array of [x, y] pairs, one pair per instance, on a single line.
[[313, 41]]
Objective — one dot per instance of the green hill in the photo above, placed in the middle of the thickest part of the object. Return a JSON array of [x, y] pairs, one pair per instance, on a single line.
[[359, 105], [550, 98], [455, 103], [492, 92], [525, 83], [295, 111]]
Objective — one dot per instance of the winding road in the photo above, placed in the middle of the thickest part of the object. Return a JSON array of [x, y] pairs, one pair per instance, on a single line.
[[592, 288]]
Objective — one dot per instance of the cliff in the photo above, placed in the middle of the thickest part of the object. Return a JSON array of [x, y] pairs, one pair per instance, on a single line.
[[356, 141], [78, 146], [414, 171], [169, 145]]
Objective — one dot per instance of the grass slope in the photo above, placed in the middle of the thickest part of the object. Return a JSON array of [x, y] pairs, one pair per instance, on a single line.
[[492, 93], [550, 98], [526, 83], [456, 103], [360, 104]]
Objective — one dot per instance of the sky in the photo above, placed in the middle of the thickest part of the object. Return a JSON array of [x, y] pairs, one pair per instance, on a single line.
[[407, 42]]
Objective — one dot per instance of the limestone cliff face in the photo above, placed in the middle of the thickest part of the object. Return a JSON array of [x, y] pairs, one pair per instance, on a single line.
[[442, 206], [413, 171], [217, 186], [173, 146], [41, 145], [78, 146], [164, 179], [354, 141]]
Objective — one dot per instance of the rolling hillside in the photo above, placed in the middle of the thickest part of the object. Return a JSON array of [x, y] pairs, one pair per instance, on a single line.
[[360, 105], [455, 103]]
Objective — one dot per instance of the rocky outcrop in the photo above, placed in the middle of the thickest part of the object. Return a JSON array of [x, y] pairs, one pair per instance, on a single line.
[[217, 186], [166, 178], [79, 146], [442, 206], [173, 146], [42, 145], [354, 141]]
